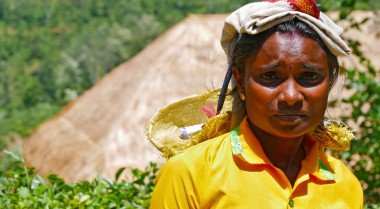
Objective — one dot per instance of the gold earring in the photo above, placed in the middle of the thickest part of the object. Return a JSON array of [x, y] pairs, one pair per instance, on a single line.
[[241, 94]]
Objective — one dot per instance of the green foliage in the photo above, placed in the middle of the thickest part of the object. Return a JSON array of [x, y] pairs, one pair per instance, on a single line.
[[365, 104], [26, 118], [346, 6], [21, 187], [52, 51]]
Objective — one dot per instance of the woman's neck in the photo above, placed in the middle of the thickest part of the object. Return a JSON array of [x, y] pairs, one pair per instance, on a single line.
[[285, 154]]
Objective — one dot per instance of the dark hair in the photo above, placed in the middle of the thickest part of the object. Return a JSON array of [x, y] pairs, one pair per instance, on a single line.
[[249, 44]]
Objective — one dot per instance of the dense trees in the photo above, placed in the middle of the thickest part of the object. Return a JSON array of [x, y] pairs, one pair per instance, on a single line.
[[51, 51]]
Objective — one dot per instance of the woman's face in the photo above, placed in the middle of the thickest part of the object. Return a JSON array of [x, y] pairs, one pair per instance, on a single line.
[[286, 85]]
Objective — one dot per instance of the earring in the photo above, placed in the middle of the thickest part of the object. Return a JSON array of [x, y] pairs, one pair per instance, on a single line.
[[241, 94]]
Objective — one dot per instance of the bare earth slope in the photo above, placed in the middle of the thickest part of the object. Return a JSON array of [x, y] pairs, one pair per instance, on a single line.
[[104, 128]]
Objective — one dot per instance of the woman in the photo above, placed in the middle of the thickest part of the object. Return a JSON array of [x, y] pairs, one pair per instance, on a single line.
[[283, 58]]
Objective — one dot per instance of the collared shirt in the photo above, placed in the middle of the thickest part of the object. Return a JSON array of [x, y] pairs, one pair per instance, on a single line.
[[232, 171]]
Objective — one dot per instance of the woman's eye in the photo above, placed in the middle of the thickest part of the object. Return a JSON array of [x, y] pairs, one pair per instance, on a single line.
[[309, 76], [310, 79], [269, 79], [269, 76]]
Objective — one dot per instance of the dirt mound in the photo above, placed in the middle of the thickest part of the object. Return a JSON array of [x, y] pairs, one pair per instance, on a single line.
[[104, 128]]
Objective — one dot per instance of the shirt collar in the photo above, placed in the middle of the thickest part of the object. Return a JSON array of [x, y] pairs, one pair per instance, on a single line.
[[246, 146]]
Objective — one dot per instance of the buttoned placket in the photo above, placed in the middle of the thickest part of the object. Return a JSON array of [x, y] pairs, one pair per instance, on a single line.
[[320, 171]]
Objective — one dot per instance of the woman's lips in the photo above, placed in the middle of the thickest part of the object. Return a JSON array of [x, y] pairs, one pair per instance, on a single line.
[[289, 117]]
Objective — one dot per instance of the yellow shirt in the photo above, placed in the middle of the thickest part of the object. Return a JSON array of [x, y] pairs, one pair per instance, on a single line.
[[232, 171]]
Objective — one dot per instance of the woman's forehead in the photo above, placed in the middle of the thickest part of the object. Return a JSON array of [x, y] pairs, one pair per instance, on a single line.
[[288, 48], [293, 41]]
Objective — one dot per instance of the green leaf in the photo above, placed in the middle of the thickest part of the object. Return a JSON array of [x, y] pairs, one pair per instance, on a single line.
[[23, 192], [118, 173]]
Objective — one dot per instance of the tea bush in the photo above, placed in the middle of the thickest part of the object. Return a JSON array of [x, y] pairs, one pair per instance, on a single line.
[[21, 187], [363, 155]]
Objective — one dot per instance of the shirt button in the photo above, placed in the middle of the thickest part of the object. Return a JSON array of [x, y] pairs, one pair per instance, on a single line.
[[291, 203]]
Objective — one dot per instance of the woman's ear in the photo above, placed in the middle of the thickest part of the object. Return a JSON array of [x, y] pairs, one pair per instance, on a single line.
[[239, 78]]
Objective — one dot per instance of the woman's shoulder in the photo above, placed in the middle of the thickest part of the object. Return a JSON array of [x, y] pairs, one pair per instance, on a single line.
[[186, 175], [343, 174], [202, 153]]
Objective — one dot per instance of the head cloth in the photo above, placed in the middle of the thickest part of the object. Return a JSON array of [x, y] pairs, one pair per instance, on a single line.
[[257, 17]]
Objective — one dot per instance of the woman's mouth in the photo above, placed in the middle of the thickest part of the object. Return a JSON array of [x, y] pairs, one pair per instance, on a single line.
[[289, 117]]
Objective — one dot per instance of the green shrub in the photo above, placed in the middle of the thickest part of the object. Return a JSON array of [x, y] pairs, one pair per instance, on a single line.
[[365, 103], [21, 187], [363, 156]]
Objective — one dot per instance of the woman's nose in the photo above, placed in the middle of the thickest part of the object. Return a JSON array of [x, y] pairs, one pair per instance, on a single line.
[[290, 93]]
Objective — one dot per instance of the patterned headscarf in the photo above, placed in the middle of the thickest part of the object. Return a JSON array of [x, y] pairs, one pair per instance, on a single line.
[[257, 17], [306, 6]]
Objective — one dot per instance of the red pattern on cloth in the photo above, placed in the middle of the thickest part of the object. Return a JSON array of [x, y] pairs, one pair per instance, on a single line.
[[209, 109], [306, 6]]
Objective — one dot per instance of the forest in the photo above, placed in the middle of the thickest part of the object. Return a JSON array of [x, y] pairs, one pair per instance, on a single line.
[[52, 51]]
